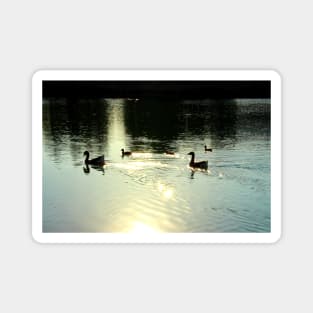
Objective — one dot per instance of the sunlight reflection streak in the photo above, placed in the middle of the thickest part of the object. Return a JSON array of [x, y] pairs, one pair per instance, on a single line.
[[166, 191], [133, 165], [142, 229]]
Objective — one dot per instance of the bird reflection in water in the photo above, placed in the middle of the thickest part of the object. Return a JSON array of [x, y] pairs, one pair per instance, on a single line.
[[86, 168], [194, 170]]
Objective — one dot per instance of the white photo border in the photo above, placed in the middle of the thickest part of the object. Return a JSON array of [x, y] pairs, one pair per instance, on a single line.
[[276, 164]]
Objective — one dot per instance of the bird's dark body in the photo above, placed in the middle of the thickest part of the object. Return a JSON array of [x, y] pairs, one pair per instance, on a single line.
[[99, 161], [200, 165]]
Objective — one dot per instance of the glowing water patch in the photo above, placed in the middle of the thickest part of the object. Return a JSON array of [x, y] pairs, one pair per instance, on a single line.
[[140, 228], [137, 165], [166, 191], [145, 155]]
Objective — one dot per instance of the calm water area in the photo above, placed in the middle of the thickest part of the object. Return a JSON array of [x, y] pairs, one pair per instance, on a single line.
[[151, 191]]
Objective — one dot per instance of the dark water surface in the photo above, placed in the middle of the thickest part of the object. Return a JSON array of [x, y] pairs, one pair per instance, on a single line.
[[151, 191]]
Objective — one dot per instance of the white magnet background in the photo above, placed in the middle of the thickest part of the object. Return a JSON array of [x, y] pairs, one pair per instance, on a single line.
[[155, 35]]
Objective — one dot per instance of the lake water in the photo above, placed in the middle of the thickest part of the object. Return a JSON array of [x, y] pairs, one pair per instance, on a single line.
[[151, 191]]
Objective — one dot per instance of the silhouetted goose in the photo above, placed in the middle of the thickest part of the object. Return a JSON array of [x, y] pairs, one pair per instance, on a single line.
[[99, 161], [127, 153], [207, 149], [201, 165]]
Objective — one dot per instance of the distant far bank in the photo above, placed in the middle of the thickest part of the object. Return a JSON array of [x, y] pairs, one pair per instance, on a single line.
[[161, 89]]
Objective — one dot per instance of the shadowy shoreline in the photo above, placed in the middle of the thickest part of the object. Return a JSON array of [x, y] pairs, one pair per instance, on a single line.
[[158, 89]]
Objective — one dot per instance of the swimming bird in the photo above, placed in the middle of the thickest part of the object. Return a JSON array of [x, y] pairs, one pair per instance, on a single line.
[[201, 165], [127, 153], [207, 149], [99, 161], [169, 152]]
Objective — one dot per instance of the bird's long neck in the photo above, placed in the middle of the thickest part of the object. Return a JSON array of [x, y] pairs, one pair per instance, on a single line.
[[87, 157], [192, 159]]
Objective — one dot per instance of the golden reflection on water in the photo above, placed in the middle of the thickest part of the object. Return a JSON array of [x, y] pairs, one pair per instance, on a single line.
[[136, 165], [116, 127], [140, 228], [167, 192], [145, 155]]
